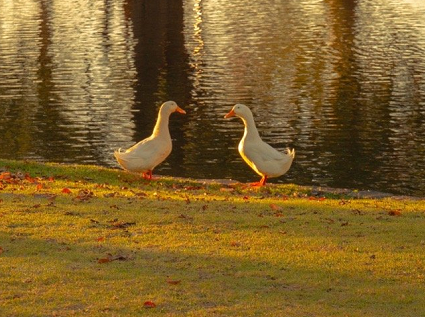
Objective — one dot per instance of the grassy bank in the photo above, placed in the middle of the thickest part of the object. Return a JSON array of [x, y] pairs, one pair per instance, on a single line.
[[88, 241]]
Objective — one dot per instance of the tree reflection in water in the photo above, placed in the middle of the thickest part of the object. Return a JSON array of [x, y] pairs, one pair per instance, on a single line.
[[343, 82]]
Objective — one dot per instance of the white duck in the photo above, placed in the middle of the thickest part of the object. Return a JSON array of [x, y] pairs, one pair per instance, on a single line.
[[260, 156], [144, 156]]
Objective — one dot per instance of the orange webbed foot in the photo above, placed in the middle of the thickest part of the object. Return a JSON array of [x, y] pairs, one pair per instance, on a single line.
[[147, 175], [262, 182], [256, 184]]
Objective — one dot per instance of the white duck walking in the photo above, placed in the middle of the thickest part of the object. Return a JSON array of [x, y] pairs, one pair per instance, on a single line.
[[260, 156], [144, 156]]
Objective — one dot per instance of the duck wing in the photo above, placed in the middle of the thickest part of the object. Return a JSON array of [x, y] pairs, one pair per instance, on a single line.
[[144, 155], [261, 151], [266, 160], [144, 148]]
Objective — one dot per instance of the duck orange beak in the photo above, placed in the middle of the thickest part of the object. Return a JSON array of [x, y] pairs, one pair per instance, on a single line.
[[180, 110], [230, 114]]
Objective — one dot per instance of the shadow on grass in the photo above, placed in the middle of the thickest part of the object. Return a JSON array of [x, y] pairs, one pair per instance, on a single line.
[[55, 274]]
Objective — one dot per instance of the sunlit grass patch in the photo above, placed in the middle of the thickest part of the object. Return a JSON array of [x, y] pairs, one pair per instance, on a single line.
[[88, 241]]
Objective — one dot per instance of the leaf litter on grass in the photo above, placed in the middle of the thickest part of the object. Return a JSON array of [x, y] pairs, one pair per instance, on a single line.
[[252, 252]]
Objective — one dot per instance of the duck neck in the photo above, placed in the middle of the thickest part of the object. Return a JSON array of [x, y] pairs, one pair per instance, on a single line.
[[161, 126], [250, 131]]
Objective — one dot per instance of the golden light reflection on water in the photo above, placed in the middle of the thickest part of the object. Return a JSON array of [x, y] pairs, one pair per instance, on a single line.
[[69, 68], [337, 80], [19, 64], [341, 81], [93, 68], [196, 44]]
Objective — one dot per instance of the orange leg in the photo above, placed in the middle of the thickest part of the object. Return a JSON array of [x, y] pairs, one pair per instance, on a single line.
[[148, 175], [262, 182]]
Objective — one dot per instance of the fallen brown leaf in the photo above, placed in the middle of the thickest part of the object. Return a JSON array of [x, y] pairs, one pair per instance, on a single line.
[[121, 224], [225, 189], [395, 212], [84, 195], [110, 258], [30, 179], [356, 211], [104, 260], [120, 258], [275, 207], [329, 220], [140, 194], [173, 282], [5, 176], [149, 304], [104, 186], [193, 187], [187, 200], [47, 196]]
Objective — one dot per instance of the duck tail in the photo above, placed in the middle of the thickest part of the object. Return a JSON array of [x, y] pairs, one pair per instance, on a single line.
[[290, 152], [121, 159], [117, 153]]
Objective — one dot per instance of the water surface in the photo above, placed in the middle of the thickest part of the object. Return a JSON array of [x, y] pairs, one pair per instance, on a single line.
[[343, 82]]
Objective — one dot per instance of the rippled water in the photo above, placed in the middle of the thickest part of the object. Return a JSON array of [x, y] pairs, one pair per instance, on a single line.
[[343, 82]]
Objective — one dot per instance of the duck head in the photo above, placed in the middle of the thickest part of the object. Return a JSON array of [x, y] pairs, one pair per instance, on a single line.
[[240, 111], [170, 107]]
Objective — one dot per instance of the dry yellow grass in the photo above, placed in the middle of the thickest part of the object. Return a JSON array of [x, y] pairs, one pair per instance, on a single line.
[[88, 241]]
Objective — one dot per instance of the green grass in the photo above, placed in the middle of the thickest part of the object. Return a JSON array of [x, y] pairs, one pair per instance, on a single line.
[[194, 249]]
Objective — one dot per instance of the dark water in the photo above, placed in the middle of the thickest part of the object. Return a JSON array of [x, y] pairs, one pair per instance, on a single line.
[[341, 81]]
